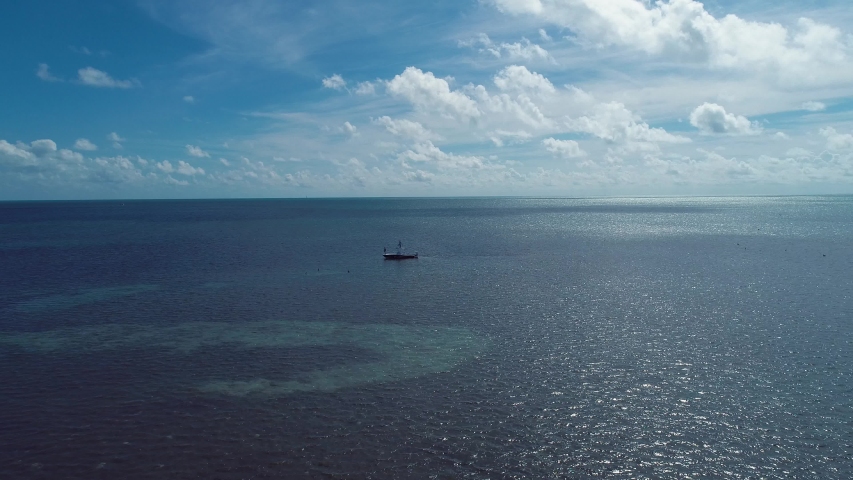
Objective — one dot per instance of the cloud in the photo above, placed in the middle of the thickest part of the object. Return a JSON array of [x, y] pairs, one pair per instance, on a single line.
[[365, 88], [837, 141], [194, 151], [429, 93], [516, 78], [84, 144], [429, 153], [406, 128], [43, 73], [189, 99], [172, 181], [165, 166], [809, 53], [813, 106], [419, 176], [350, 128], [524, 50], [185, 168], [335, 82], [42, 164], [116, 139], [42, 147], [563, 148], [711, 118], [97, 78], [544, 35], [614, 123]]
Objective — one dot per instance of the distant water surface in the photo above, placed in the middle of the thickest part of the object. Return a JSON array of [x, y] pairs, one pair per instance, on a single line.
[[533, 338]]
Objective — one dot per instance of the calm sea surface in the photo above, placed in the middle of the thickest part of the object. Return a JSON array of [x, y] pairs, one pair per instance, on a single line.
[[533, 338]]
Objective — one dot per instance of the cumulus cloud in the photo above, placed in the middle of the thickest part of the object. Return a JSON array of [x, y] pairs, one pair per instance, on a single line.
[[515, 78], [711, 118], [365, 88], [43, 147], [84, 144], [563, 148], [185, 168], [813, 106], [405, 128], [524, 50], [429, 93], [165, 166], [613, 122], [835, 140], [335, 82], [429, 153], [41, 162], [808, 53], [419, 176], [195, 151], [350, 128], [43, 73], [97, 78], [173, 181], [189, 99], [116, 139]]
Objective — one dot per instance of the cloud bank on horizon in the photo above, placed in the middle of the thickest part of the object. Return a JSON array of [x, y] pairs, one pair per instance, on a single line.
[[489, 97]]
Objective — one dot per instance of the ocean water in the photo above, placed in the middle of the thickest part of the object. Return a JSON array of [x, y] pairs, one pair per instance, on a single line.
[[533, 338]]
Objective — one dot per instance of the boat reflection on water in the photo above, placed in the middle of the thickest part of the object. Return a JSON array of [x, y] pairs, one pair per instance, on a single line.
[[398, 255]]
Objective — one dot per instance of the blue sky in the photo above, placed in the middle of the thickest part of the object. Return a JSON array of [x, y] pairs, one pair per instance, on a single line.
[[189, 98]]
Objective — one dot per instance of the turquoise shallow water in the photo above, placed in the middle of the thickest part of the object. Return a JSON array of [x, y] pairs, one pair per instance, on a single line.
[[533, 338]]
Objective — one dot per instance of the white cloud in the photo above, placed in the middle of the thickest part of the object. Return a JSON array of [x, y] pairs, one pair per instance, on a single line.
[[429, 153], [225, 162], [165, 166], [97, 78], [43, 73], [172, 181], [43, 147], [350, 128], [515, 78], [84, 144], [809, 53], [711, 118], [189, 99], [365, 88], [185, 168], [563, 148], [406, 128], [16, 152], [42, 163], [524, 50], [335, 82], [429, 93], [195, 151], [837, 141], [813, 106], [419, 176], [116, 139], [544, 35], [613, 122]]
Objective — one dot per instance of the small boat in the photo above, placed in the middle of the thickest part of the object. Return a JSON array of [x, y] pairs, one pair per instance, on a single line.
[[399, 255]]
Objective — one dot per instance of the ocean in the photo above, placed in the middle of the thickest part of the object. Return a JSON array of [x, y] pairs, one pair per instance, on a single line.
[[532, 338]]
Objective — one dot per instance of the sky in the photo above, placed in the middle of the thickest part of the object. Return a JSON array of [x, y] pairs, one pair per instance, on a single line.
[[263, 98]]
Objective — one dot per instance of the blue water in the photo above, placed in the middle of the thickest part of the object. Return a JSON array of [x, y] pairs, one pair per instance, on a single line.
[[533, 338]]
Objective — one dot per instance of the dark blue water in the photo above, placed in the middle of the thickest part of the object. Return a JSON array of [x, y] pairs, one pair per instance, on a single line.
[[533, 338]]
